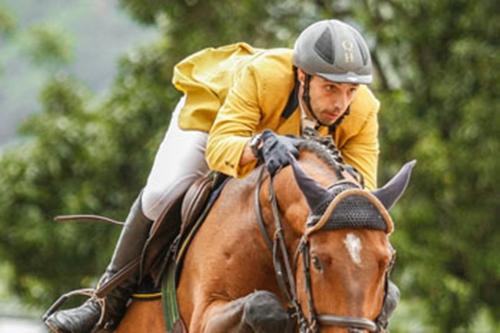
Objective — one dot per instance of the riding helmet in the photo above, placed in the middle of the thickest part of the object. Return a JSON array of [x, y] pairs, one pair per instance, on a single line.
[[335, 51]]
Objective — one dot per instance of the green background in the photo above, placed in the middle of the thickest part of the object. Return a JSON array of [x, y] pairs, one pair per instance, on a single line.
[[90, 144]]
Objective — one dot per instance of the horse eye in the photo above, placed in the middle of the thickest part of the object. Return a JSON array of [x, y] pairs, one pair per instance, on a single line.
[[317, 263]]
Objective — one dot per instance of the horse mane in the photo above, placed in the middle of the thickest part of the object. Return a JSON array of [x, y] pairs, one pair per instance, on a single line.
[[324, 149]]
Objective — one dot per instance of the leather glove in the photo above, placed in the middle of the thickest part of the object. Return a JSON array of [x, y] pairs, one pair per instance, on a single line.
[[276, 149]]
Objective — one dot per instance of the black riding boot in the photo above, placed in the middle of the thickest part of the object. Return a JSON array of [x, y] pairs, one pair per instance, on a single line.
[[83, 319]]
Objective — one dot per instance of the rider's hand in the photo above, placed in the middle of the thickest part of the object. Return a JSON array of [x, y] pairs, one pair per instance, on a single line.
[[276, 149]]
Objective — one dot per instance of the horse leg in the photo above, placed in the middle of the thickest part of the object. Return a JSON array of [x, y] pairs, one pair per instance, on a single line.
[[258, 312]]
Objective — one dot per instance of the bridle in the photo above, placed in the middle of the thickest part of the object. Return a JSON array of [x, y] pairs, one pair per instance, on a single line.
[[285, 273]]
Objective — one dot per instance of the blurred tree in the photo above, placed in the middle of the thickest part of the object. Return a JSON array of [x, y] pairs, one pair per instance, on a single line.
[[7, 22], [7, 28], [442, 105], [49, 46], [76, 158], [436, 65]]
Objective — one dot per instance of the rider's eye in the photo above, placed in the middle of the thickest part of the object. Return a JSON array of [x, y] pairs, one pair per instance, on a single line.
[[329, 88], [317, 263]]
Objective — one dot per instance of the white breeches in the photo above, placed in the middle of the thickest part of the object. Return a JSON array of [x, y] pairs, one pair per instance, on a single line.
[[179, 161]]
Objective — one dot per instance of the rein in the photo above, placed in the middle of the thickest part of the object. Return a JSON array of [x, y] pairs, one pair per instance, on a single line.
[[284, 271], [281, 260]]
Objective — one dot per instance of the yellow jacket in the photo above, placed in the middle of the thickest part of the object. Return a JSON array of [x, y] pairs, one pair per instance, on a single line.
[[235, 91]]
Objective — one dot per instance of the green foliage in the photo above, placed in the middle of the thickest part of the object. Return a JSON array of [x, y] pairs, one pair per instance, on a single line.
[[49, 45], [191, 24], [7, 22], [75, 159], [145, 12], [37, 175], [436, 64], [445, 116], [7, 29]]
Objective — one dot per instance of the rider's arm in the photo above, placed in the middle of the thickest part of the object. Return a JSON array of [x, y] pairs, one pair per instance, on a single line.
[[237, 120], [259, 93]]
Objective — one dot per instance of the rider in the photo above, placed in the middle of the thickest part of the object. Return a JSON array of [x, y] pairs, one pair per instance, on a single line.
[[235, 99]]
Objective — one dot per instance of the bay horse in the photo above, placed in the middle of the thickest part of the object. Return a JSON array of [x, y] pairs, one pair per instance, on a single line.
[[306, 250]]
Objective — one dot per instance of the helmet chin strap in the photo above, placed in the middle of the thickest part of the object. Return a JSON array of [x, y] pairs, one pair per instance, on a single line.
[[306, 97]]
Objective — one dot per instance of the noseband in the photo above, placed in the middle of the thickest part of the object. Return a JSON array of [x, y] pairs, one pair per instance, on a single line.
[[285, 274]]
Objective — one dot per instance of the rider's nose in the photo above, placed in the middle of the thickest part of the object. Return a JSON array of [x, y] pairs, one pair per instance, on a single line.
[[341, 102]]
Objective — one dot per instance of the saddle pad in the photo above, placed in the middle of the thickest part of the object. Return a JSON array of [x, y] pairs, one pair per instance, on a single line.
[[174, 264]]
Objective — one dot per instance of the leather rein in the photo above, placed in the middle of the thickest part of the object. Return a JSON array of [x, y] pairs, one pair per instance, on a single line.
[[284, 271]]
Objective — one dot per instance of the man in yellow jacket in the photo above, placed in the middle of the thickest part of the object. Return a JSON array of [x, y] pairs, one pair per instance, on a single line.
[[238, 104], [236, 91]]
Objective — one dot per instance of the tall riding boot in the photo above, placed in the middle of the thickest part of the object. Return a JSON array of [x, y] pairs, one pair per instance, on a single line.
[[83, 319]]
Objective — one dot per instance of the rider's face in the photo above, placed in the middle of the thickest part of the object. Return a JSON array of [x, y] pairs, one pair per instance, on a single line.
[[329, 100]]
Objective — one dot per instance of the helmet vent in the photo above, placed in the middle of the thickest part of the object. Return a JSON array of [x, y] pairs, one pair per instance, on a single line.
[[362, 50], [324, 47]]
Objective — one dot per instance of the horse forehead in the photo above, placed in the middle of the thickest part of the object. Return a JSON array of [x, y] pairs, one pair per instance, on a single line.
[[356, 245], [353, 245]]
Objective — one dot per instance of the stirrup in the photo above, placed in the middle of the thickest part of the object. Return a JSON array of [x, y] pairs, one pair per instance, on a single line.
[[89, 292]]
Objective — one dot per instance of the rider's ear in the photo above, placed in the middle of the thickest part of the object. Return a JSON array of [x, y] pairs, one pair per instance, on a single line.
[[301, 76]]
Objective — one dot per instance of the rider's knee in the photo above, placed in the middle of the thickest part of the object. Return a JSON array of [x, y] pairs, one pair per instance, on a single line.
[[155, 198]]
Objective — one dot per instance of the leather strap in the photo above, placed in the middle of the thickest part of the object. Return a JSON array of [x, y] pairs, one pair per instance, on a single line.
[[258, 209], [117, 278]]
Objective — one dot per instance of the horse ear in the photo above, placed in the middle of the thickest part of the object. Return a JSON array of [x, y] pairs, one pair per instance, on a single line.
[[394, 189], [314, 192]]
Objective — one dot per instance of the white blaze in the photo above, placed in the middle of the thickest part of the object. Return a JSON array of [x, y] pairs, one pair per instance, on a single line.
[[353, 245]]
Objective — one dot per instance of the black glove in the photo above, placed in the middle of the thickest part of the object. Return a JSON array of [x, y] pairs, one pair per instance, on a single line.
[[276, 149]]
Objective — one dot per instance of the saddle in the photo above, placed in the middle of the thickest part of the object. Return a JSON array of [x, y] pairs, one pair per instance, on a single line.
[[169, 238], [176, 223]]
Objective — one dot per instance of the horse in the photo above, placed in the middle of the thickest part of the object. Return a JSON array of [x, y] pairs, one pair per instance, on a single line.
[[304, 250]]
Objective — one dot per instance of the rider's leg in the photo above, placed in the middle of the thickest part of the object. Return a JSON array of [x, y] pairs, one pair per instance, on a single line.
[[178, 163], [180, 160], [129, 246]]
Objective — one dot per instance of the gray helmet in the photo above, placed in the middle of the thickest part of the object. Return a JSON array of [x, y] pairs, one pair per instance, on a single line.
[[335, 51]]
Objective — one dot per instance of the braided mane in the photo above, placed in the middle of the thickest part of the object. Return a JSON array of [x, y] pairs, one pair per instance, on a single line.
[[321, 151], [326, 150]]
